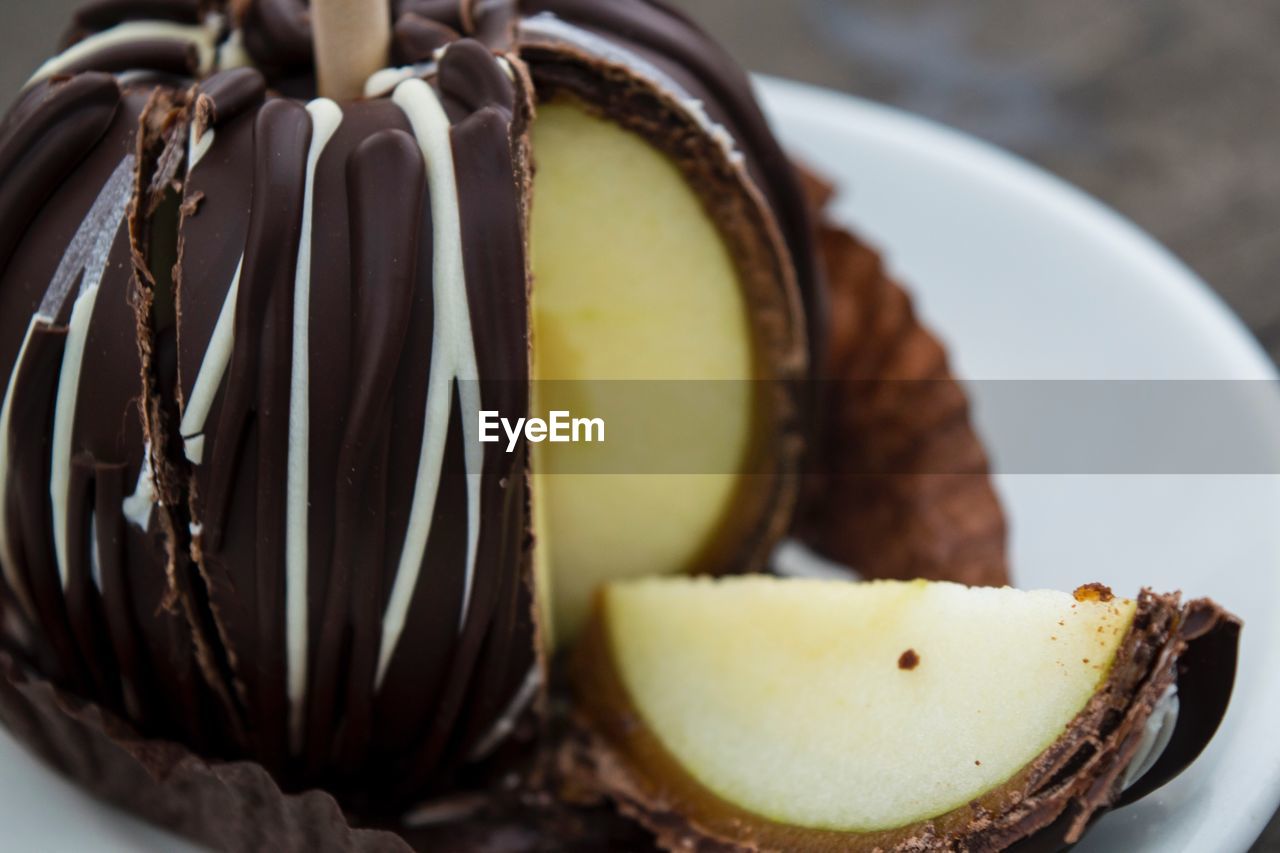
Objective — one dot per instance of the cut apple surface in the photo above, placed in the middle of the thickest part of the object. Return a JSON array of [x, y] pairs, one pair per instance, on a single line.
[[634, 289], [777, 714]]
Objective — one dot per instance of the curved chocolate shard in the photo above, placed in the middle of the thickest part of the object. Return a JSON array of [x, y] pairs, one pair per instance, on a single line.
[[1206, 674], [1047, 806], [1205, 677]]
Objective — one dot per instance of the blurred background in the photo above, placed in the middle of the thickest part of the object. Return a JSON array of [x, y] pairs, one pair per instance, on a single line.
[[1167, 110]]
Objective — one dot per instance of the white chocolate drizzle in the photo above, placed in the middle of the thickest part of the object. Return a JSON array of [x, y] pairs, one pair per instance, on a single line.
[[547, 26], [507, 722], [95, 555], [138, 507], [64, 421], [384, 81], [326, 117], [453, 365], [232, 52], [85, 261], [203, 37], [198, 146], [212, 370], [8, 560]]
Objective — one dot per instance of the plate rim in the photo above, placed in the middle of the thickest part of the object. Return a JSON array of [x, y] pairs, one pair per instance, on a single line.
[[1017, 174]]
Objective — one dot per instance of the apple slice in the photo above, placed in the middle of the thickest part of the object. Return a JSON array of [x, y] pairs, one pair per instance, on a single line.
[[641, 318], [765, 714]]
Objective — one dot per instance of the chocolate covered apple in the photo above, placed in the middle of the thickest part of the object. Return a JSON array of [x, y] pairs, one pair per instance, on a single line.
[[763, 714], [248, 336], [256, 308]]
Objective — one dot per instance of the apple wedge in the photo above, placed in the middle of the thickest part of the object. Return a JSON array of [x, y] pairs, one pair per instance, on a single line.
[[762, 714], [635, 288], [647, 315]]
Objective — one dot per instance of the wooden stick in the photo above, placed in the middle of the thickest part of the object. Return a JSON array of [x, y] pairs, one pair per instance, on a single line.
[[352, 40]]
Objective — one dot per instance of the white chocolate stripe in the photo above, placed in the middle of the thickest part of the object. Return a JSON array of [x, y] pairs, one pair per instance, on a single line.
[[507, 722], [140, 506], [212, 369], [326, 117], [453, 364], [548, 26], [64, 421], [8, 560], [383, 81], [95, 555], [90, 248], [85, 260], [198, 146], [203, 37], [232, 52]]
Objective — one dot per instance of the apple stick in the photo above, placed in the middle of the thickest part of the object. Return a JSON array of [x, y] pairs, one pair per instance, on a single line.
[[352, 39]]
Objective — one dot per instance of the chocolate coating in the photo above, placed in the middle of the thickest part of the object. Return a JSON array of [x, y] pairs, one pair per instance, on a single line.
[[272, 552], [233, 184], [287, 492]]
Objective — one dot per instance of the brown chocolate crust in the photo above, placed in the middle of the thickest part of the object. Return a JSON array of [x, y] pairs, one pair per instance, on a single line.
[[900, 487], [1047, 806]]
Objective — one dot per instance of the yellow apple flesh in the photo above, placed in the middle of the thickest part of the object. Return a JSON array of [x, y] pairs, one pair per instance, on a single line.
[[634, 291], [852, 708]]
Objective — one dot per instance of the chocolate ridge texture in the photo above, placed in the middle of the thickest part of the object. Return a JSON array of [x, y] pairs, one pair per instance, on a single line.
[[342, 579]]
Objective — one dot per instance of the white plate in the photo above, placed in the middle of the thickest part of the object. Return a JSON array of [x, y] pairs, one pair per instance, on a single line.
[[1026, 278]]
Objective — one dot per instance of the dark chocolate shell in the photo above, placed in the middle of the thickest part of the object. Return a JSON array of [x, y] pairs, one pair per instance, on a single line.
[[243, 507]]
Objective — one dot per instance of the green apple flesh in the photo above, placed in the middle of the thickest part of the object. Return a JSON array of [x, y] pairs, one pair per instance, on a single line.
[[854, 707], [632, 281]]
